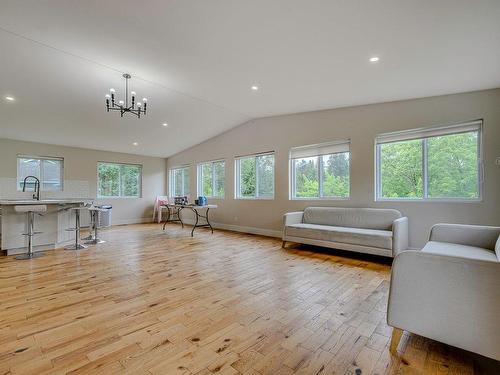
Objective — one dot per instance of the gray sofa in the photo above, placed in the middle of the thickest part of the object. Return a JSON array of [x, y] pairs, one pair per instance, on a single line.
[[450, 290], [365, 230]]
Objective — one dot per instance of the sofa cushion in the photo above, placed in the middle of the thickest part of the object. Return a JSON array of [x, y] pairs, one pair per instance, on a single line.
[[354, 236], [457, 250], [366, 218]]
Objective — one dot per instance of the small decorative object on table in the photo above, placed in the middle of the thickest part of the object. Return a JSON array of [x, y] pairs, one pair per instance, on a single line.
[[181, 200], [201, 201]]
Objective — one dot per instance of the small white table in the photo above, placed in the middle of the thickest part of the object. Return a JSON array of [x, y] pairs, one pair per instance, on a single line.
[[198, 215]]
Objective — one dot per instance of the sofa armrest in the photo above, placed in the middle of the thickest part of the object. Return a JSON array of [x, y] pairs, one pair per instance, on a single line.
[[292, 218], [497, 248], [448, 299], [399, 235], [470, 235]]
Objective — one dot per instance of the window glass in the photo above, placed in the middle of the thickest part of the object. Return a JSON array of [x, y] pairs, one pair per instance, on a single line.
[[265, 173], [179, 182], [48, 170], [453, 167], [255, 177], [320, 171], [247, 177], [401, 169], [306, 177], [335, 176], [219, 170], [119, 180], [211, 179], [430, 163]]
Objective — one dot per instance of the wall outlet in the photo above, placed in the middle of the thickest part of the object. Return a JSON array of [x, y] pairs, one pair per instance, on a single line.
[[497, 161]]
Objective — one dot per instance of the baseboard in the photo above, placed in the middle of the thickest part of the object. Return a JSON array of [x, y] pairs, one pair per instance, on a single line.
[[242, 229], [140, 220]]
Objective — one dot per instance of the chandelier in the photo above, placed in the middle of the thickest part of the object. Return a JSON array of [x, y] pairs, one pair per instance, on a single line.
[[135, 108]]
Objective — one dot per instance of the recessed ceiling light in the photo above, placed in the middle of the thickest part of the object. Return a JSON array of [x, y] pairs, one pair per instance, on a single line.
[[10, 98], [255, 88], [374, 59], [135, 143], [165, 124]]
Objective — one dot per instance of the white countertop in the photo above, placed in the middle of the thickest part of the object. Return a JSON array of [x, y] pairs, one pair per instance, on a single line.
[[13, 202]]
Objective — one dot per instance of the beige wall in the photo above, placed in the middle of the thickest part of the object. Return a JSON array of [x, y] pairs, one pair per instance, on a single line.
[[361, 124], [80, 176]]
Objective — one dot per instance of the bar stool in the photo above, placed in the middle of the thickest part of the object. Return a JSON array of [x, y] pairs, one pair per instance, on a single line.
[[30, 211], [77, 245], [94, 214], [91, 224]]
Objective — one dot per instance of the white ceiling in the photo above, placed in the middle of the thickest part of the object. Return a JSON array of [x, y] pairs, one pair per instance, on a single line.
[[196, 62]]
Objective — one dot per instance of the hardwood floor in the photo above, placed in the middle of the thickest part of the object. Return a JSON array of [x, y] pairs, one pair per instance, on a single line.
[[153, 302]]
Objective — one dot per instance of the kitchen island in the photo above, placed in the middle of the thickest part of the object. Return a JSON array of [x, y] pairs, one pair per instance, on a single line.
[[52, 223]]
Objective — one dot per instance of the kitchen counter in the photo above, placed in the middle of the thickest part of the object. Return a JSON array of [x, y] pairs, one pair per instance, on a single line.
[[14, 202], [52, 223]]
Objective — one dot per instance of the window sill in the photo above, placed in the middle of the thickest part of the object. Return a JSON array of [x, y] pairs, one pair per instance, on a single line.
[[118, 197], [434, 200], [254, 198], [321, 199]]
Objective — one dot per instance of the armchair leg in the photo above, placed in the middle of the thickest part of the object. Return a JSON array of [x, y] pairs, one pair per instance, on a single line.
[[396, 337], [283, 244]]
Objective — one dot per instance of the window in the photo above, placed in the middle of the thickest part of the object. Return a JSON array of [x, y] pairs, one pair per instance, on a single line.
[[179, 182], [47, 169], [255, 176], [211, 179], [320, 171], [116, 180], [434, 163]]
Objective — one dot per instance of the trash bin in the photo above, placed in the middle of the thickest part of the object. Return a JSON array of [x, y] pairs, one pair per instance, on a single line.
[[105, 216]]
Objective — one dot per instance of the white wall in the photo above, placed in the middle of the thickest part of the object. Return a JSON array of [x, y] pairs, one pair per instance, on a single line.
[[80, 176], [361, 124]]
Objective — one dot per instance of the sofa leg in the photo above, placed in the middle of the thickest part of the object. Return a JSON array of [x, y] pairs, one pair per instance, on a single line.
[[396, 337], [283, 244]]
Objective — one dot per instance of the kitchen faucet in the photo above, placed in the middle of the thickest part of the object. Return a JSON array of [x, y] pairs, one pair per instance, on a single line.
[[36, 194]]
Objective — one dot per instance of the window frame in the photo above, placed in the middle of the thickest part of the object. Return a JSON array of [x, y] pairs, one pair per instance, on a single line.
[[425, 166], [120, 164], [320, 162], [237, 177], [171, 181], [40, 171], [199, 173]]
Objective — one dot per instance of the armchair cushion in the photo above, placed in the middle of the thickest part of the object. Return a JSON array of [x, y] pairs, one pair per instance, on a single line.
[[457, 250], [354, 236]]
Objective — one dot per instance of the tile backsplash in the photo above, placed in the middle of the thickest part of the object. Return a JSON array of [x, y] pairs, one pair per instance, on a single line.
[[72, 189]]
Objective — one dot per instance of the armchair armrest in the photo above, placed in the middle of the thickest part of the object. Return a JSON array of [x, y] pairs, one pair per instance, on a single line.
[[448, 299], [497, 248], [399, 235], [470, 235]]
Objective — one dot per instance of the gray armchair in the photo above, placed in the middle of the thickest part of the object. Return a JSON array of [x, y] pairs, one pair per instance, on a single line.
[[450, 290]]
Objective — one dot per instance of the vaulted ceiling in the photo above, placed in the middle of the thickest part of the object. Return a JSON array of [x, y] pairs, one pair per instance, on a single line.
[[196, 62]]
